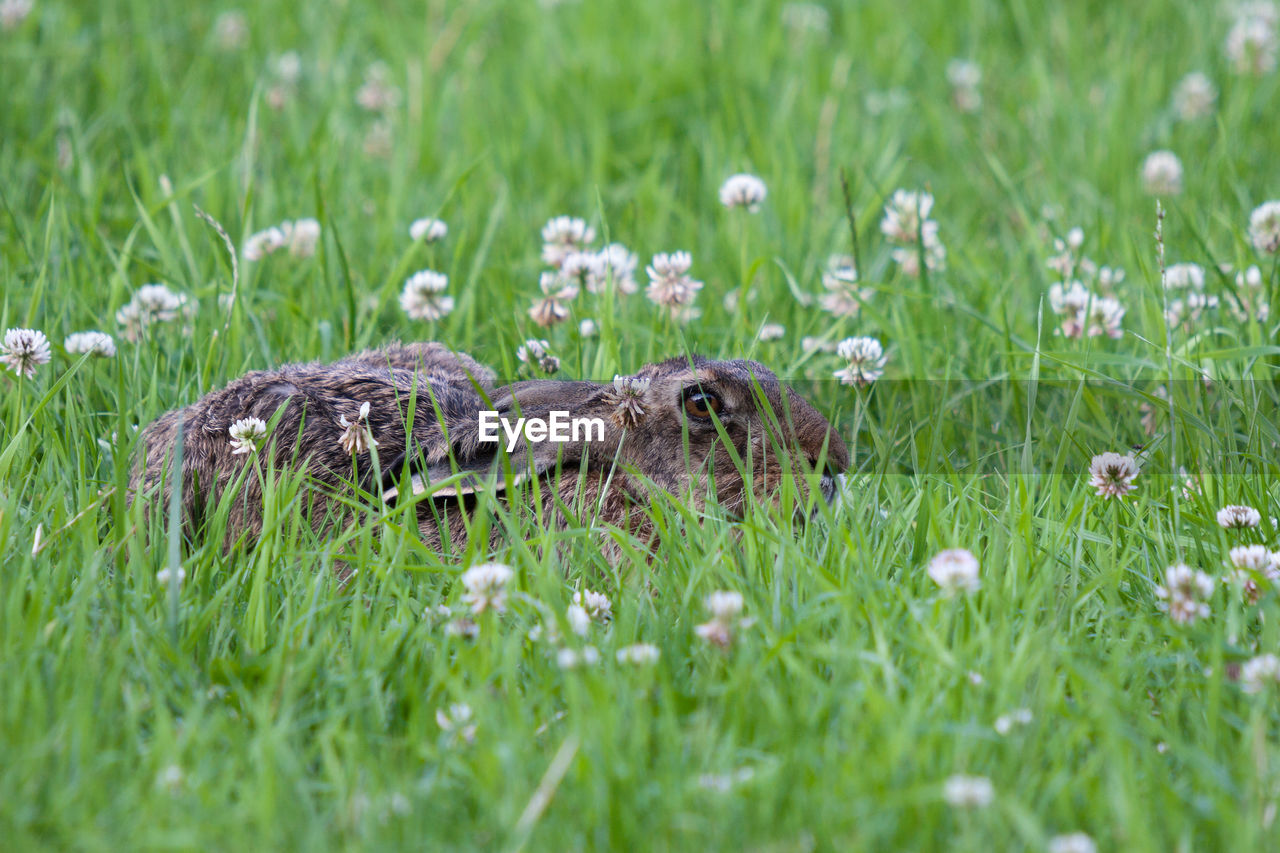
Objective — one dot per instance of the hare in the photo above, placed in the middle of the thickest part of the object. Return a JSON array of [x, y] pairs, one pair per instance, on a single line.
[[688, 426]]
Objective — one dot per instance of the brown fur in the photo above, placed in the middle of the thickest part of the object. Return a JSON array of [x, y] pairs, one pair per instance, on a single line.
[[666, 449]]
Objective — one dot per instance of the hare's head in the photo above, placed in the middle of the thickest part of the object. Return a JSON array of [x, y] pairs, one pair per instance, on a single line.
[[689, 426]]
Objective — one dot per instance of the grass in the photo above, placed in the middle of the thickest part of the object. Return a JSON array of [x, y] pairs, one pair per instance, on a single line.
[[264, 705]]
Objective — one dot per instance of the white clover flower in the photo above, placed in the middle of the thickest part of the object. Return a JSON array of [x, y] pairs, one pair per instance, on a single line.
[[715, 632], [14, 12], [537, 353], [968, 792], [1184, 277], [165, 576], [1251, 557], [1238, 517], [553, 307], [464, 628], [152, 303], [639, 654], [588, 329], [743, 191], [806, 18], [288, 66], [90, 343], [171, 779], [1252, 563], [263, 243], [935, 254], [377, 94], [724, 604], [1005, 722], [866, 360], [578, 618], [247, 435], [905, 214], [965, 76], [567, 658], [1260, 673], [1113, 474], [1252, 40], [955, 570], [771, 332], [301, 237], [616, 263], [1250, 297], [627, 398], [563, 235], [1194, 97], [231, 30], [1264, 228], [1184, 593], [356, 436], [843, 297], [1076, 842], [1162, 173], [423, 296], [669, 282], [428, 230], [596, 604], [24, 350], [457, 721], [486, 586]]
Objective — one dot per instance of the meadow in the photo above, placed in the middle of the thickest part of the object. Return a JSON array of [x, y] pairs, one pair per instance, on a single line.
[[980, 645]]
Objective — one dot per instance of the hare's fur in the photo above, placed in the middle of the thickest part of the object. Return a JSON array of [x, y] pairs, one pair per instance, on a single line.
[[441, 394]]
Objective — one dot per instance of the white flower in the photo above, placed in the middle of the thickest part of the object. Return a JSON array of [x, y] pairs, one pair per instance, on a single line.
[[301, 237], [231, 29], [1113, 474], [24, 350], [724, 604], [423, 296], [486, 586], [743, 191], [1252, 40], [457, 720], [640, 654], [1076, 842], [616, 263], [1237, 517], [246, 435], [263, 243], [1162, 173], [627, 398], [288, 66], [968, 792], [428, 230], [587, 328], [843, 297], [955, 570], [1260, 673], [377, 94], [806, 17], [1184, 593], [866, 360], [935, 254], [152, 303], [1184, 277], [563, 235], [1264, 227], [965, 76], [596, 604], [1252, 557], [464, 628], [537, 352], [669, 282], [1194, 96], [771, 332], [171, 778], [14, 12], [165, 576], [905, 214], [356, 436], [567, 658], [1005, 722], [578, 618], [557, 291], [90, 343]]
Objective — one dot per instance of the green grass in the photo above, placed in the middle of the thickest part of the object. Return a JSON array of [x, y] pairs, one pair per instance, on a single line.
[[302, 714]]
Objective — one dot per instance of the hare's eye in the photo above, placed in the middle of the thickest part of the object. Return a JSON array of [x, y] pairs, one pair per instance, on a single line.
[[700, 404]]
